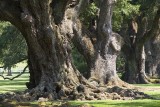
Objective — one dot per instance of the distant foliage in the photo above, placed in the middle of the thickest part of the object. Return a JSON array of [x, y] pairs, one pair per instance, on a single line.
[[13, 48], [79, 62], [120, 64], [89, 13], [123, 10]]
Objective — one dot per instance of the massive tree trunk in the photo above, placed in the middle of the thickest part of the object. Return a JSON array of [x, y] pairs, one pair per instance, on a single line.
[[104, 66], [107, 48], [45, 27], [100, 49], [50, 64]]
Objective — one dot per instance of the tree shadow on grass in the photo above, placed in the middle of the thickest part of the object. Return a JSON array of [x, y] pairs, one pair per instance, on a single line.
[[15, 104], [13, 82], [36, 104], [138, 103], [156, 96]]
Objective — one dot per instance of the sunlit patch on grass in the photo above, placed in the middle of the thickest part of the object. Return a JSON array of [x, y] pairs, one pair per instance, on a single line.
[[18, 84], [148, 85]]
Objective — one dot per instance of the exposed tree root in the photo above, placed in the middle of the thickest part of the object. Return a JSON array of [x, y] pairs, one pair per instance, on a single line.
[[115, 81], [118, 82], [78, 89], [80, 92]]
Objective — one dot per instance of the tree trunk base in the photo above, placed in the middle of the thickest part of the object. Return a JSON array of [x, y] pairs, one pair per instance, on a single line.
[[114, 81], [80, 92], [118, 82], [140, 79]]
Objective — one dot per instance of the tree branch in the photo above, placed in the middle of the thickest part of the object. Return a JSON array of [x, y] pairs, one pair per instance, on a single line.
[[10, 11], [155, 30], [1, 66], [83, 43], [105, 18], [81, 6], [16, 75]]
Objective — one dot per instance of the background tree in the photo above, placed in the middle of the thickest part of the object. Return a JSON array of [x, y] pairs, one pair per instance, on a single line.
[[152, 46], [152, 57], [135, 65], [13, 48]]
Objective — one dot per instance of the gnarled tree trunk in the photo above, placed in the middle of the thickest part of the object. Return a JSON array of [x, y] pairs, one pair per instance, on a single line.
[[104, 67], [45, 27], [108, 46], [50, 64], [101, 53]]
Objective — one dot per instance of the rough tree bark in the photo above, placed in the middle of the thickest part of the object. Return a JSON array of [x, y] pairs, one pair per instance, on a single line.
[[135, 60], [108, 47], [46, 25], [135, 65], [101, 53], [135, 57]]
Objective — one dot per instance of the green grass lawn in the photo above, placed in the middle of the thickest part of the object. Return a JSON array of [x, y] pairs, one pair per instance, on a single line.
[[154, 91], [148, 85], [16, 84], [19, 85], [121, 103]]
